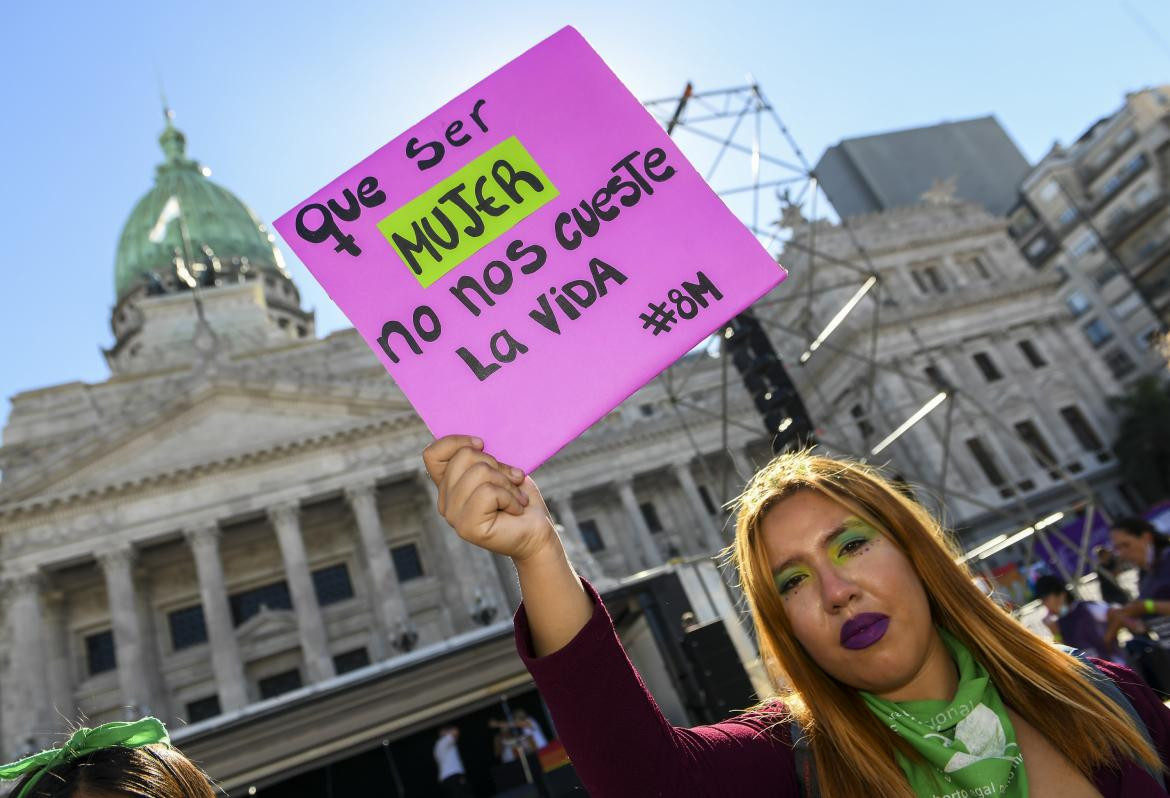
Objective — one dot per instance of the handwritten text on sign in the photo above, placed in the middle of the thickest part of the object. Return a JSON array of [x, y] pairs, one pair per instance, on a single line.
[[517, 259]]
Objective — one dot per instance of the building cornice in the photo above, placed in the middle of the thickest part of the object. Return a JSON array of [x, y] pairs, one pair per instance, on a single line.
[[48, 505]]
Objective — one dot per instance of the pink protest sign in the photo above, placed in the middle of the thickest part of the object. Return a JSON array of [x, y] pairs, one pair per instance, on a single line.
[[530, 254]]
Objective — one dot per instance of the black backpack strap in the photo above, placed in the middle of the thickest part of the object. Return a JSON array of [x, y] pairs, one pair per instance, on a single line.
[[1111, 691], [806, 766]]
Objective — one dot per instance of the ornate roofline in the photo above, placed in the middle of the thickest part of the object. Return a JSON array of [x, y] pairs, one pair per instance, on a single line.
[[22, 509]]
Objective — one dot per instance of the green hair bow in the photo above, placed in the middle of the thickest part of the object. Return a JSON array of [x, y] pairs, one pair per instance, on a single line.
[[134, 734]]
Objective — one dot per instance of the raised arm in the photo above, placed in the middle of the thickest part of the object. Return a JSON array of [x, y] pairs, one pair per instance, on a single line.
[[618, 739], [499, 508]]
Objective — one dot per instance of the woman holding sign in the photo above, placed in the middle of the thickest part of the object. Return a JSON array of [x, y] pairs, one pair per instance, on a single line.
[[904, 679]]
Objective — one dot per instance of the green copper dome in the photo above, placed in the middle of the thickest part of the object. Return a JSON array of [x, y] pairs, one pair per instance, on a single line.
[[225, 240]]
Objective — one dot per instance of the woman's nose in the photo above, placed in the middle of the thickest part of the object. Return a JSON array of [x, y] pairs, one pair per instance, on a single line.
[[837, 590]]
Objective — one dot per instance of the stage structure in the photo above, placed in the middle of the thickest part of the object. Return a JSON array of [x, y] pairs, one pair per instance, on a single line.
[[837, 302]]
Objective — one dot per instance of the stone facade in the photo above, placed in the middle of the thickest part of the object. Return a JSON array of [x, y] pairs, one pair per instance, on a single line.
[[1098, 214], [956, 309], [191, 540]]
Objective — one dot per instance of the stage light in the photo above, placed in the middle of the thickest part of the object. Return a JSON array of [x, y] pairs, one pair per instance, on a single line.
[[910, 422], [841, 314]]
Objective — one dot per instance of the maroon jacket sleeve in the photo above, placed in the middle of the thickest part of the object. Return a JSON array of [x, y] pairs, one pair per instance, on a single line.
[[1145, 701], [623, 747]]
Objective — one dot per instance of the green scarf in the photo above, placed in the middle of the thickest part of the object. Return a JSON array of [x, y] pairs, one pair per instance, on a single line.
[[969, 741], [85, 741]]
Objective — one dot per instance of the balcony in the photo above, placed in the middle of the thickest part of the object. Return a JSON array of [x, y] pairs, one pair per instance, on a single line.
[[1087, 174], [1122, 228], [1130, 172], [1151, 271]]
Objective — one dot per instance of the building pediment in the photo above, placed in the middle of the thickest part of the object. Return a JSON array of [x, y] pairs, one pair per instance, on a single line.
[[216, 423], [266, 624]]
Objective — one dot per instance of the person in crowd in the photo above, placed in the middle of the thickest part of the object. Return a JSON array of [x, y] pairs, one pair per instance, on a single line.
[[1073, 622], [900, 678], [1108, 569], [530, 730], [1138, 543], [115, 760], [452, 779], [504, 752]]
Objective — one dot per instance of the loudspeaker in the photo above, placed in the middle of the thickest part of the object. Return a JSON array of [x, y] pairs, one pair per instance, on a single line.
[[717, 670]]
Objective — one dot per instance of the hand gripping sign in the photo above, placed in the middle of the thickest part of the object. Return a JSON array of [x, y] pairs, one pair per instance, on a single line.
[[530, 254]]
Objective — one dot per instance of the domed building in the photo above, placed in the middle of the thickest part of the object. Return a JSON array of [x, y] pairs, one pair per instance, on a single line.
[[187, 234], [234, 532]]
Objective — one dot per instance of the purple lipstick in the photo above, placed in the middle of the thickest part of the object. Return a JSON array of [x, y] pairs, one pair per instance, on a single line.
[[863, 630]]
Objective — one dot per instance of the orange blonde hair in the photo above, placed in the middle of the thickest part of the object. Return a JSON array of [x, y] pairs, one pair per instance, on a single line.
[[852, 748]]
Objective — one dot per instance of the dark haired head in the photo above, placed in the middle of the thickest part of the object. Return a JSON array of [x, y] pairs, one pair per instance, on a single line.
[[1049, 585], [150, 771], [1137, 541], [1135, 526]]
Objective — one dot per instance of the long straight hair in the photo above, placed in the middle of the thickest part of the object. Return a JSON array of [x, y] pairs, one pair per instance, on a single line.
[[852, 748]]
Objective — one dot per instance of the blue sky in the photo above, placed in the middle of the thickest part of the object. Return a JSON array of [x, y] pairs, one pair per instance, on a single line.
[[278, 98]]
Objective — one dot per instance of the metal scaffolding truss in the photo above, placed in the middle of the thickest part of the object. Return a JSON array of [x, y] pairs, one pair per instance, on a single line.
[[754, 163]]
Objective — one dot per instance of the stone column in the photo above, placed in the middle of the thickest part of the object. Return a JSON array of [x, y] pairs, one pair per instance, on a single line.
[[390, 614], [744, 470], [472, 569], [286, 520], [130, 644], [706, 535], [651, 554], [510, 582], [25, 696], [221, 633], [578, 550], [62, 706]]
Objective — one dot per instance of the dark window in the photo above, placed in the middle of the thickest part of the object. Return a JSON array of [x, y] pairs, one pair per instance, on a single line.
[[986, 365], [1104, 274], [203, 709], [1085, 435], [863, 425], [935, 281], [591, 535], [986, 462], [407, 563], [979, 267], [647, 410], [651, 517], [1038, 447], [1098, 332], [348, 661], [1032, 354], [187, 627], [247, 603], [935, 376], [332, 584], [280, 683], [706, 497], [1119, 363], [99, 652]]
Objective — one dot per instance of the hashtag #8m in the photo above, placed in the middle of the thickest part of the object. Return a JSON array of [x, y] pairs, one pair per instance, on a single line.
[[684, 302]]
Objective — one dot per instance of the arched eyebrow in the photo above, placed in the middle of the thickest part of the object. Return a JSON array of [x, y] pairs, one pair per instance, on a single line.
[[823, 542]]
